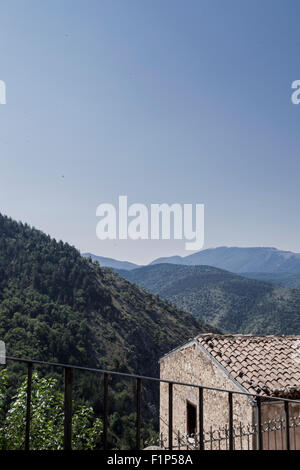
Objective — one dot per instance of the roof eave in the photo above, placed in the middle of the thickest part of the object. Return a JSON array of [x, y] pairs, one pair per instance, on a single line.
[[215, 361], [173, 351]]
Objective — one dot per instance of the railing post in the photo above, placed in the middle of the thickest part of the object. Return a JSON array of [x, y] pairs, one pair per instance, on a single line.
[[230, 409], [170, 416], [105, 410], [68, 409], [201, 427], [259, 423], [138, 412], [287, 424], [28, 405]]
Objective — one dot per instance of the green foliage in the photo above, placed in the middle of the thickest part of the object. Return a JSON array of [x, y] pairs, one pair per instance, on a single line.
[[47, 419], [3, 388], [280, 279], [226, 300], [125, 426], [57, 306]]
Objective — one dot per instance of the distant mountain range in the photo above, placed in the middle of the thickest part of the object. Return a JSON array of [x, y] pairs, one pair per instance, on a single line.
[[228, 301], [234, 259], [241, 260]]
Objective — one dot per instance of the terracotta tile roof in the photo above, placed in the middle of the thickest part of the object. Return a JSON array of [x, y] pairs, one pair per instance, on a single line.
[[263, 365]]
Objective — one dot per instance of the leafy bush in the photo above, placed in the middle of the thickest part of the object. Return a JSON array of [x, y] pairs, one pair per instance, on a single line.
[[47, 418]]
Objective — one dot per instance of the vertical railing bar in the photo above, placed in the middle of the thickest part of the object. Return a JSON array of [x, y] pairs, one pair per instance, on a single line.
[[138, 412], [281, 432], [287, 424], [170, 416], [68, 409], [201, 424], [28, 406], [249, 434], [259, 423], [105, 410], [241, 435], [230, 408]]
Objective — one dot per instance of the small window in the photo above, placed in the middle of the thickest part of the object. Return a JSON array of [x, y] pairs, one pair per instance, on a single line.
[[191, 413]]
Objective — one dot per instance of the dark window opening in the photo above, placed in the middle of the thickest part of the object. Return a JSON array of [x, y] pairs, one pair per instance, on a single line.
[[191, 413]]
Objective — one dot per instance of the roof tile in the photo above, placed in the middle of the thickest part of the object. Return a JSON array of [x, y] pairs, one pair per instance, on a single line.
[[270, 364]]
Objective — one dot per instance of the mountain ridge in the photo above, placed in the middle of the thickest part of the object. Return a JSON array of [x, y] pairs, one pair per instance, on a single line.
[[233, 259], [111, 262]]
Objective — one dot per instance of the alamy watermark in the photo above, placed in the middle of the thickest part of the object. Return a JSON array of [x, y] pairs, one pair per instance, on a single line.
[[2, 92], [296, 94], [162, 221]]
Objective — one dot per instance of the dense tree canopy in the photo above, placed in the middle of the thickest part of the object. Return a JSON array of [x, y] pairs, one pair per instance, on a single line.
[[58, 306], [231, 302]]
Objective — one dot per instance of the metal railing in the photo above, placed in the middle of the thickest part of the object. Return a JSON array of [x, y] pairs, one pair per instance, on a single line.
[[273, 431], [139, 379]]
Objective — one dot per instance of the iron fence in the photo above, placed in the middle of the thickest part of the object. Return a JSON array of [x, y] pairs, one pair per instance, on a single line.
[[230, 435], [244, 436]]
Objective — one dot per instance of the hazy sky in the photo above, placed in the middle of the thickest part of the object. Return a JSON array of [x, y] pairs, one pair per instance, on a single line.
[[162, 101]]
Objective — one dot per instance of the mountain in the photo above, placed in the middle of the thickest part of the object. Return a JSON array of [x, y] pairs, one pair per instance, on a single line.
[[241, 260], [234, 259], [281, 279], [56, 305], [228, 301], [110, 262]]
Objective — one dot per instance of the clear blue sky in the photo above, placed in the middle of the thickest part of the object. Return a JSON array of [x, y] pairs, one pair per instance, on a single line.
[[164, 101]]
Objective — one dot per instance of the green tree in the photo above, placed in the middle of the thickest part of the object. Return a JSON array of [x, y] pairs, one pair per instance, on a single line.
[[47, 418]]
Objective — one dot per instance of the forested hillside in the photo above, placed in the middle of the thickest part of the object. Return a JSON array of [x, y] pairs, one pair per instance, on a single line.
[[56, 305], [280, 279], [229, 301]]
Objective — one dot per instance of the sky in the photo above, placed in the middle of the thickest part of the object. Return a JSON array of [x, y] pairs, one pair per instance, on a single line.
[[173, 101]]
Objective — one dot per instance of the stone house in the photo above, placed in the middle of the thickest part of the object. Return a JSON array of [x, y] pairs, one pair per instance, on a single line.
[[268, 366]]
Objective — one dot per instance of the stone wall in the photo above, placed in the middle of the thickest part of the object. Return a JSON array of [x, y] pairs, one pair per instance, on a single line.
[[191, 365]]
